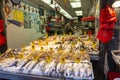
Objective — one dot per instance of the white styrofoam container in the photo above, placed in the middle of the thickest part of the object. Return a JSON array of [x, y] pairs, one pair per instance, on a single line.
[[116, 58]]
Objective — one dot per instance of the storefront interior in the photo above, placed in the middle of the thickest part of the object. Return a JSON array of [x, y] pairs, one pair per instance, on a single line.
[[59, 40]]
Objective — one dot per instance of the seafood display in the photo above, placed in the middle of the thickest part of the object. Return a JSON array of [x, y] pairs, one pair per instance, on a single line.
[[55, 56]]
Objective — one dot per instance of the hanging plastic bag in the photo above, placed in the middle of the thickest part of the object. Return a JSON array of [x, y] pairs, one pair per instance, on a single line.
[[107, 15], [1, 26], [105, 35], [107, 26], [2, 39]]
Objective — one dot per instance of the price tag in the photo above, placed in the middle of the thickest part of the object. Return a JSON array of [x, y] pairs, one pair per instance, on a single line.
[[46, 42], [42, 49], [82, 51], [37, 57], [62, 60], [70, 51], [51, 49], [46, 35], [23, 47], [29, 55], [55, 34], [60, 50], [64, 34], [21, 56], [48, 59], [33, 47], [11, 55], [94, 45], [70, 33], [40, 43], [85, 32], [73, 44], [77, 60]]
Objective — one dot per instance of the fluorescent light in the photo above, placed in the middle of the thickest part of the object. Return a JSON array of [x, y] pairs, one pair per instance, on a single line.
[[47, 1], [116, 4], [75, 4], [62, 11], [78, 13]]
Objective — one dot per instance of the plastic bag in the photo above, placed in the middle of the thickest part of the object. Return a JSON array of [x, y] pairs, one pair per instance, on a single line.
[[2, 39], [107, 15], [1, 26], [105, 35]]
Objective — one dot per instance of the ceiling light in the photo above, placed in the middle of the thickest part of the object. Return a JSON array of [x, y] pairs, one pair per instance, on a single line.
[[79, 13], [75, 4], [62, 11], [47, 1], [116, 4]]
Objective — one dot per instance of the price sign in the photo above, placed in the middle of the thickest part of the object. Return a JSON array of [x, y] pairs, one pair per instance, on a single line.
[[40, 43], [55, 34], [60, 50], [70, 33], [46, 35], [21, 56], [94, 45], [62, 60], [85, 32], [11, 55], [37, 57], [82, 51], [23, 47], [42, 49], [48, 58], [73, 44], [46, 42], [64, 34], [51, 49], [33, 47], [77, 60]]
